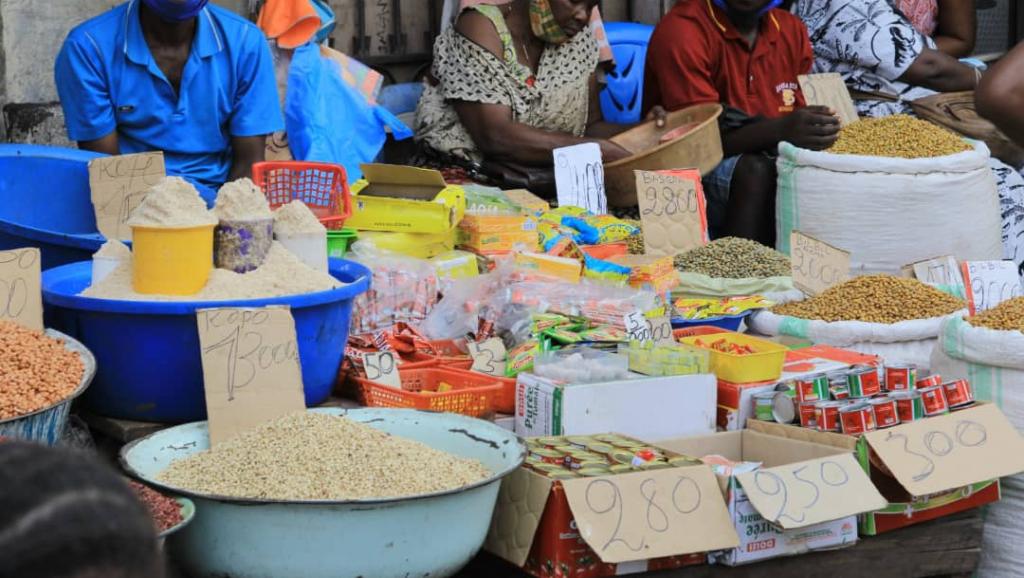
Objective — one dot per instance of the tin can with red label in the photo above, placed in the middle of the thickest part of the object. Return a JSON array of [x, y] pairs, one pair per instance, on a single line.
[[807, 414], [909, 406], [886, 414], [900, 377], [959, 393], [812, 388], [934, 400], [863, 381], [548, 456], [826, 415], [930, 381], [857, 418]]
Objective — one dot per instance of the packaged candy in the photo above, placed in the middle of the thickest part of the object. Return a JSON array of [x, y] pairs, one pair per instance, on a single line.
[[522, 358], [708, 308], [605, 271], [604, 333], [600, 229]]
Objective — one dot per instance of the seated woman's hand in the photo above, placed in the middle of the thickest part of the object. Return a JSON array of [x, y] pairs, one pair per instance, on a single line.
[[658, 115]]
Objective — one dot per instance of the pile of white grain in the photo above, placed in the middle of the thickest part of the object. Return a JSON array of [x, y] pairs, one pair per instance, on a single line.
[[315, 456], [173, 203], [241, 200]]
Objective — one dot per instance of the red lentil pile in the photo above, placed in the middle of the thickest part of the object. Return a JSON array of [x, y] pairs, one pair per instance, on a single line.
[[166, 511], [36, 371]]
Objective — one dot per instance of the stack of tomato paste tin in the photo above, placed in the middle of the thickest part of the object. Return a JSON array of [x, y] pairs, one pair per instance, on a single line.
[[865, 398]]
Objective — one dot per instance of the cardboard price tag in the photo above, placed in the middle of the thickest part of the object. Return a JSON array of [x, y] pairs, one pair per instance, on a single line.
[[810, 492], [828, 89], [382, 367], [579, 177], [639, 327], [21, 297], [941, 453], [673, 213], [651, 514], [939, 271], [118, 185], [488, 356], [251, 370], [816, 265], [989, 283]]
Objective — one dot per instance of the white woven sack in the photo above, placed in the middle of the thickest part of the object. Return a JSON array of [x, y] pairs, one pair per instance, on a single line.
[[903, 342], [890, 212], [993, 361]]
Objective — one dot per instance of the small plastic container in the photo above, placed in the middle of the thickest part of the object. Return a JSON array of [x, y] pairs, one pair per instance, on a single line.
[[171, 261], [242, 246], [764, 364], [310, 248], [338, 242], [581, 365]]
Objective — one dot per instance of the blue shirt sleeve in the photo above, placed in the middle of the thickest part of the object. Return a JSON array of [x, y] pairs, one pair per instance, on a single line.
[[83, 89], [257, 107]]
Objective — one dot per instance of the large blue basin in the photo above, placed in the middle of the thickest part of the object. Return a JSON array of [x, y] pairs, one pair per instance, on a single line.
[[147, 352]]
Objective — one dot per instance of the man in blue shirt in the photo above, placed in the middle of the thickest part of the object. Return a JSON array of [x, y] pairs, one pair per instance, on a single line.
[[194, 81]]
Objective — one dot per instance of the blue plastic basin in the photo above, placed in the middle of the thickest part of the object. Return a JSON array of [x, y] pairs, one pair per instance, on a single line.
[[148, 352]]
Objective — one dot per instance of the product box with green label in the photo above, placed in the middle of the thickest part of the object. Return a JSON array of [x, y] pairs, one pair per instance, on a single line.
[[641, 407]]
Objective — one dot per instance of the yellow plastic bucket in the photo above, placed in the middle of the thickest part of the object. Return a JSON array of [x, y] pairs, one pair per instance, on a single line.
[[171, 261]]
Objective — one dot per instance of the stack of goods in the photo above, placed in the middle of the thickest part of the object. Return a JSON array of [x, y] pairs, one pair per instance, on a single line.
[[897, 136], [875, 299], [565, 458], [649, 272], [734, 258], [705, 309], [656, 360], [36, 371], [494, 225], [403, 290], [312, 456], [863, 399]]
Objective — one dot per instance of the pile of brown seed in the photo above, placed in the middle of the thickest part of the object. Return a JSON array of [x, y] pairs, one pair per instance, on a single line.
[[314, 456], [36, 371], [899, 135], [734, 258], [875, 299], [1007, 316]]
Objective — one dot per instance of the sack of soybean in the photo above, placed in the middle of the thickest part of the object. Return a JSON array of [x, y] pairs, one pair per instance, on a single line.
[[890, 212], [993, 361], [774, 289], [895, 318]]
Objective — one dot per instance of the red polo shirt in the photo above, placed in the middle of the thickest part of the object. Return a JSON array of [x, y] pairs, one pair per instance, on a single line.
[[696, 56]]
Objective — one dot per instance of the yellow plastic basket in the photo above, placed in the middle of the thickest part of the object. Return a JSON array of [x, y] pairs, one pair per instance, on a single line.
[[765, 364]]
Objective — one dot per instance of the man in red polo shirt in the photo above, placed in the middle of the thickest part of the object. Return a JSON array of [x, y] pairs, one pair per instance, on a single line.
[[746, 55]]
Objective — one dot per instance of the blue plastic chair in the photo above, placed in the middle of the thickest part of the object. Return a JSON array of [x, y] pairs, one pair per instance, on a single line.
[[623, 96]]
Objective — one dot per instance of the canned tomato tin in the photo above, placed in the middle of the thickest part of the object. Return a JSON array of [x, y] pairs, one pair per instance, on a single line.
[[812, 388], [548, 456], [763, 405], [862, 381], [783, 407], [934, 400], [551, 441], [622, 456], [807, 413], [579, 442], [605, 438], [930, 381], [680, 461], [886, 414], [857, 418], [826, 415], [959, 393], [620, 468], [577, 457], [909, 406], [592, 472], [588, 465], [900, 377], [601, 448]]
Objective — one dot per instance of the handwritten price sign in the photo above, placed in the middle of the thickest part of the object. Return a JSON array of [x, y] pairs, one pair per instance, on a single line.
[[817, 265], [810, 492], [651, 514], [942, 453], [828, 89], [382, 367], [672, 211], [989, 283], [118, 185], [251, 370], [579, 177], [21, 298], [488, 356], [639, 327]]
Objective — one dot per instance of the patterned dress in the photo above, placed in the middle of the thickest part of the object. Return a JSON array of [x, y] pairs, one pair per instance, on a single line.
[[557, 98], [871, 44]]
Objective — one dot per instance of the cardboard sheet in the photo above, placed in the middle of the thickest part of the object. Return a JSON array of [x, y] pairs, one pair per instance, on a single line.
[[989, 283], [118, 184], [21, 298], [251, 370], [805, 493], [673, 212], [817, 265], [828, 89], [521, 503], [647, 515], [942, 453]]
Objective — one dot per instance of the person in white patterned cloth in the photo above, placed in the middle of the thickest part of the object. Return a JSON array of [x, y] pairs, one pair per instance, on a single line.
[[878, 52]]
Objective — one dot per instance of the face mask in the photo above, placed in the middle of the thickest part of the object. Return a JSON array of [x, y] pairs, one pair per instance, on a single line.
[[169, 11], [768, 8], [543, 23]]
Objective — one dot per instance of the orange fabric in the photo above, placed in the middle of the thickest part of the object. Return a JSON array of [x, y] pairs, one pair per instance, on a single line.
[[291, 22]]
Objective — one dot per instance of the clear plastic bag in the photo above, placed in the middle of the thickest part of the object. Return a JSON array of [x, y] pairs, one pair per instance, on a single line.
[[403, 289]]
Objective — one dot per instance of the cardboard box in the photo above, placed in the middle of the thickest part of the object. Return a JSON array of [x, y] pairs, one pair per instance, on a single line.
[[564, 528], [644, 408], [564, 268], [804, 497], [401, 199], [928, 468], [530, 203], [498, 234]]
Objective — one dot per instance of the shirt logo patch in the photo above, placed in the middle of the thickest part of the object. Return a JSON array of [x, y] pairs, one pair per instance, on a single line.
[[787, 94]]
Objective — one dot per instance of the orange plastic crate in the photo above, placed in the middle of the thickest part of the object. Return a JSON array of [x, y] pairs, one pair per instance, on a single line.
[[448, 354], [323, 187], [471, 394]]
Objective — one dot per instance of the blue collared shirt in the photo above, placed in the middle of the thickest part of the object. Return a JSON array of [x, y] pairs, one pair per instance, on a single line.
[[108, 80]]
